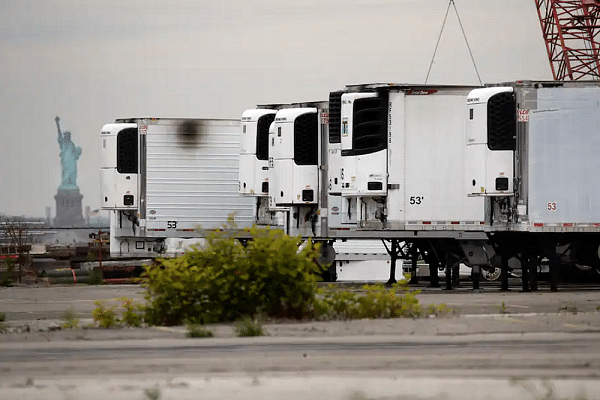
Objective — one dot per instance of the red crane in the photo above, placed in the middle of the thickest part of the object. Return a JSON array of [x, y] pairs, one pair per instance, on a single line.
[[571, 29]]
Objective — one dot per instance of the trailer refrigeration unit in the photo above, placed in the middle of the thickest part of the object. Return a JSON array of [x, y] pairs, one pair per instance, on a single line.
[[532, 152], [254, 163], [166, 181], [288, 186]]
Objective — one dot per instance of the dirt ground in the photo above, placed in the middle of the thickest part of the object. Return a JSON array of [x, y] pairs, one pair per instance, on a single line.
[[36, 313], [498, 346]]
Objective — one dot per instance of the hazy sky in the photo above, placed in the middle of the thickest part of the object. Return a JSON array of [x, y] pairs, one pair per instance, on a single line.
[[90, 62]]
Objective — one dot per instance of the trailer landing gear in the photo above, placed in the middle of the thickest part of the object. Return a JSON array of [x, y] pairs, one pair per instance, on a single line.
[[394, 252]]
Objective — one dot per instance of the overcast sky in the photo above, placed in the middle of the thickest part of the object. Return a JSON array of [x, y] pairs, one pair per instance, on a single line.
[[91, 62]]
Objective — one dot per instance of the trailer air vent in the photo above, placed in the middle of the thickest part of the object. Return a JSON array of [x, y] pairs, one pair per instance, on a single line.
[[502, 183], [262, 136], [335, 113], [128, 200], [374, 186], [308, 195], [265, 187], [127, 151], [306, 140], [502, 121], [370, 124]]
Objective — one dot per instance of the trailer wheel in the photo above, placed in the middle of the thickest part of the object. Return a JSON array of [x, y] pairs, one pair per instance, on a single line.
[[327, 260], [491, 274], [330, 274]]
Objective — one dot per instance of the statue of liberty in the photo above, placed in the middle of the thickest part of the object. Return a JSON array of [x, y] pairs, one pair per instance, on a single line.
[[69, 154]]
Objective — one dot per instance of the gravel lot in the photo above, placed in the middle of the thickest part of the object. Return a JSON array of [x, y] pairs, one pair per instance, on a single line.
[[512, 345]]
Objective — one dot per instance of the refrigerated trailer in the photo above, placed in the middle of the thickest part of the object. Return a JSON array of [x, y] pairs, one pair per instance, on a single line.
[[397, 160], [167, 181], [532, 150]]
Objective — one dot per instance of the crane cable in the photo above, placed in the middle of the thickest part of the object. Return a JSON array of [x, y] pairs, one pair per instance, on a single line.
[[451, 3]]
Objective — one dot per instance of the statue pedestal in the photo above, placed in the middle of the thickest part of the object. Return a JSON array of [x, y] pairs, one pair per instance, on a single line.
[[69, 212]]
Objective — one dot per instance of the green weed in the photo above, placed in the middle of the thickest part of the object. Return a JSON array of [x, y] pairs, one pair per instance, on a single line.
[[377, 301], [70, 319], [502, 308], [440, 310], [124, 313], [132, 314], [197, 331], [248, 326], [152, 394]]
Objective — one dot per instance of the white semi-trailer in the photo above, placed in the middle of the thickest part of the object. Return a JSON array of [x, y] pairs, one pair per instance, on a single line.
[[532, 150], [396, 170], [166, 181], [399, 161]]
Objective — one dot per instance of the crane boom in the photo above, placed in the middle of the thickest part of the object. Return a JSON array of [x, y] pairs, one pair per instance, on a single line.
[[570, 29]]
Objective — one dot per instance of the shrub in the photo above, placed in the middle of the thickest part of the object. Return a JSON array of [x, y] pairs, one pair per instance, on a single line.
[[95, 277], [7, 277], [248, 326], [105, 316], [224, 280], [2, 317]]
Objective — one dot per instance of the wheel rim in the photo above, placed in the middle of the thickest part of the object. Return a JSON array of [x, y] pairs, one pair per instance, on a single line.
[[491, 275]]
